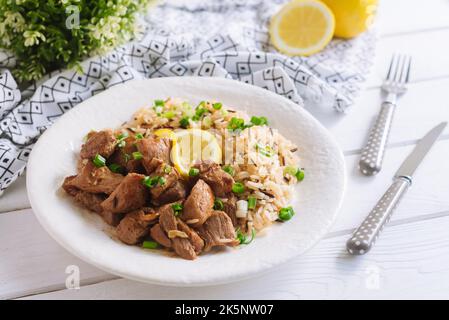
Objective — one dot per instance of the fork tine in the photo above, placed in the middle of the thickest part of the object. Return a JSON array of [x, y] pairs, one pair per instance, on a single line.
[[401, 74], [390, 69], [408, 69], [399, 69]]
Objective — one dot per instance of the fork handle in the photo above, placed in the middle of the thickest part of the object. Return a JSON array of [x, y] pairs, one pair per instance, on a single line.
[[373, 153], [366, 235]]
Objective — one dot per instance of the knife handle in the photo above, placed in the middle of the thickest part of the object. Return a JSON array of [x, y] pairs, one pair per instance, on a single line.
[[366, 235], [373, 153]]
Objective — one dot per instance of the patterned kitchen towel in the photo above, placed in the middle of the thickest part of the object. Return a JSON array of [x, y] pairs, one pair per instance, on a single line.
[[213, 38]]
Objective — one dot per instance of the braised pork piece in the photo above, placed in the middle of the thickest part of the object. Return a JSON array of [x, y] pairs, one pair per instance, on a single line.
[[130, 182]]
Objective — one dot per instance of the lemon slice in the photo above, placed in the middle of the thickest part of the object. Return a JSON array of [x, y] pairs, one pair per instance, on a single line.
[[165, 133], [302, 27], [193, 145]]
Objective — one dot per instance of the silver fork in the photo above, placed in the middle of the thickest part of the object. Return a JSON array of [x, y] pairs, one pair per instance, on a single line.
[[394, 85]]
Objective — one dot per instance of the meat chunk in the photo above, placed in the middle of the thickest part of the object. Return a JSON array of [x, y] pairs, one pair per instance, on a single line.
[[130, 195], [123, 156], [173, 194], [195, 239], [112, 218], [230, 207], [101, 142], [199, 204], [68, 186], [136, 225], [169, 175], [158, 235], [187, 247], [150, 148], [220, 181], [91, 201], [218, 231], [94, 180]]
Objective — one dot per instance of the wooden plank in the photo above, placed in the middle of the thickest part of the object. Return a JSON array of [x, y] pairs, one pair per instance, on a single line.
[[15, 197], [422, 107], [31, 261], [427, 195], [408, 16], [415, 266]]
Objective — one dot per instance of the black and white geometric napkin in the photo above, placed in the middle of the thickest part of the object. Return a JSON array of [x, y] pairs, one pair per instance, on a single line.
[[210, 38]]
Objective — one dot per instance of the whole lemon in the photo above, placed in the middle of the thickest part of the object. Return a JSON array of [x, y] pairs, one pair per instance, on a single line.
[[352, 17]]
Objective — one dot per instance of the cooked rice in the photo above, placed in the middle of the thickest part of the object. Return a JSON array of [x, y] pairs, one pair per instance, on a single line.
[[262, 175]]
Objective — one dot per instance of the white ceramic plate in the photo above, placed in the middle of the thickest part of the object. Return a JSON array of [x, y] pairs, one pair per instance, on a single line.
[[84, 234]]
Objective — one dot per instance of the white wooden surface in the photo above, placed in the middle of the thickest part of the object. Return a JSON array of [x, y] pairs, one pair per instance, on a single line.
[[410, 260]]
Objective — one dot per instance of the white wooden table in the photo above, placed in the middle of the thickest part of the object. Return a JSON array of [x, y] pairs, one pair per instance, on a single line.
[[411, 258]]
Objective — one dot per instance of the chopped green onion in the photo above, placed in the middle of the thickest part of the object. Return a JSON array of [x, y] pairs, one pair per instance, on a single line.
[[177, 208], [290, 170], [159, 103], [299, 175], [150, 182], [286, 213], [184, 122], [252, 202], [116, 168], [162, 181], [138, 136], [167, 169], [236, 124], [259, 121], [121, 143], [266, 151], [217, 105], [99, 161], [150, 245], [243, 239], [228, 169], [218, 204], [193, 172], [169, 114], [137, 155], [123, 135], [238, 188]]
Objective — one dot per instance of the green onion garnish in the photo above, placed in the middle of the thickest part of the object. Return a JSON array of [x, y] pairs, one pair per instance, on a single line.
[[286, 214], [177, 209], [259, 121], [121, 143], [218, 204], [252, 202], [167, 169], [123, 135], [162, 181], [238, 188], [116, 168], [150, 245], [217, 105], [228, 169], [266, 151], [193, 172], [236, 124], [99, 161], [137, 155], [299, 175], [159, 103], [243, 238], [138, 136], [150, 182], [168, 115], [184, 122]]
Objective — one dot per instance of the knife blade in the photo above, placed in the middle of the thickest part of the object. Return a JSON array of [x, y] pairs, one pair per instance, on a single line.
[[414, 159], [366, 235]]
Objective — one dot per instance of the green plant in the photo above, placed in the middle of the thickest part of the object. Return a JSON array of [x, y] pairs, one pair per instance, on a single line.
[[46, 35]]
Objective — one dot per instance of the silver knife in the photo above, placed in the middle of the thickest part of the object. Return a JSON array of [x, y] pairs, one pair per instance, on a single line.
[[366, 235]]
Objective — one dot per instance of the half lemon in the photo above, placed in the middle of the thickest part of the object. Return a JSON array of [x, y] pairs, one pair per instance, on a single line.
[[302, 27], [194, 145]]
